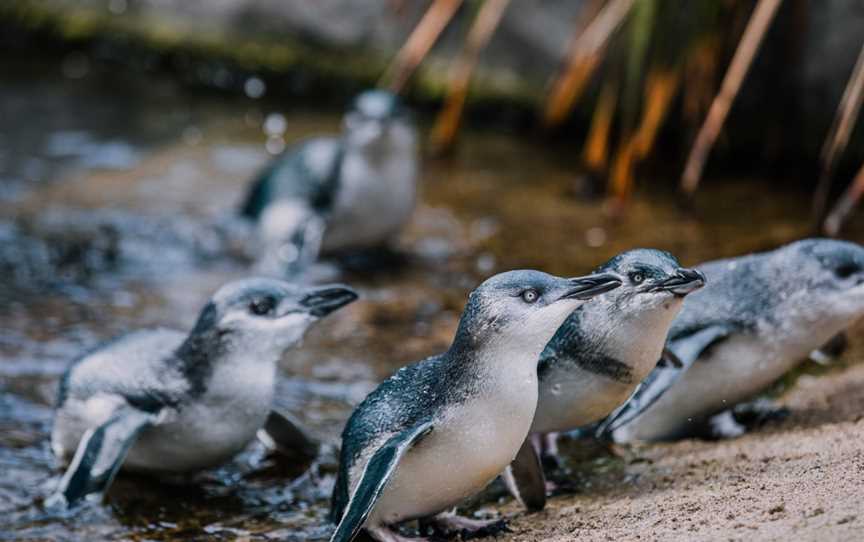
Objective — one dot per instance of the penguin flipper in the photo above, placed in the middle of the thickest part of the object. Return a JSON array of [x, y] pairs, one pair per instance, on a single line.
[[258, 195], [292, 233], [686, 350], [831, 350], [308, 240], [288, 437], [669, 359], [99, 456], [528, 479], [374, 478]]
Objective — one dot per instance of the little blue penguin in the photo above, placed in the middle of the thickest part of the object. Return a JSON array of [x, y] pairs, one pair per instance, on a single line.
[[441, 429], [759, 316], [602, 351], [164, 401], [333, 194]]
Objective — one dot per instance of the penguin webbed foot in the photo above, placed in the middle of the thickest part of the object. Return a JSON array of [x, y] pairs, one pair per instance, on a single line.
[[725, 426], [744, 417], [757, 413], [285, 436], [832, 350]]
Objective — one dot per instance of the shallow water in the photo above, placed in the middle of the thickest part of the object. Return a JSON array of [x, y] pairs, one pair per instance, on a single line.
[[116, 201]]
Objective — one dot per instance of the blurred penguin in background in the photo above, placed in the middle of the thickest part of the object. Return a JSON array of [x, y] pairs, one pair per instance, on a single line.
[[335, 194]]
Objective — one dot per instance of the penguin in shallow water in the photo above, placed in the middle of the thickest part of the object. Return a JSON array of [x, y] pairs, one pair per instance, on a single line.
[[601, 352], [334, 194], [439, 430], [164, 401], [759, 316]]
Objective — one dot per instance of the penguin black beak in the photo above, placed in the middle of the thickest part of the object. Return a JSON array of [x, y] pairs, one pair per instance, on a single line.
[[683, 282], [591, 286], [322, 301]]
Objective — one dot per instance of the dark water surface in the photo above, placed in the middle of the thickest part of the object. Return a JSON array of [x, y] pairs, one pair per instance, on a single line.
[[116, 200]]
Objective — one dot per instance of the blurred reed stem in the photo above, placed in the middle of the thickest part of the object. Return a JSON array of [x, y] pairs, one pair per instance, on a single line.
[[419, 44], [447, 123], [584, 56], [845, 205], [757, 26], [838, 135]]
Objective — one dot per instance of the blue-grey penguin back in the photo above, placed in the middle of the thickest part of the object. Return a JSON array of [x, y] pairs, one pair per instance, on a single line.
[[140, 383], [740, 291], [745, 289]]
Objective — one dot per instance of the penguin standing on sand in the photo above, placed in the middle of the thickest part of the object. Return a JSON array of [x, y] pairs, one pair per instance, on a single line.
[[163, 401], [601, 352], [605, 348], [333, 194], [759, 317], [439, 430]]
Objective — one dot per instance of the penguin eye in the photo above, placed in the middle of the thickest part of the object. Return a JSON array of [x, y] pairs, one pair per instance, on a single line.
[[637, 278], [530, 295], [846, 270], [264, 306]]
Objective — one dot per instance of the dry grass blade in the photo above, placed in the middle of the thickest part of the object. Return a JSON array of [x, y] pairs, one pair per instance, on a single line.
[[844, 206], [661, 86], [621, 176], [583, 58], [419, 43], [700, 72], [838, 134], [447, 124], [597, 145], [759, 22]]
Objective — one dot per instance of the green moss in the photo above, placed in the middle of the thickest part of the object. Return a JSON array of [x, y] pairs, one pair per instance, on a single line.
[[165, 36], [80, 23]]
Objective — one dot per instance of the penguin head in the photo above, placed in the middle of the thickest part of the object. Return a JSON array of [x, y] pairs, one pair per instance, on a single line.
[[266, 316], [822, 279], [522, 309], [652, 283], [378, 121]]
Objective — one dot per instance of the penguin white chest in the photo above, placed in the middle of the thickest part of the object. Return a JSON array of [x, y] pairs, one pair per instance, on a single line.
[[470, 444], [572, 397], [375, 199]]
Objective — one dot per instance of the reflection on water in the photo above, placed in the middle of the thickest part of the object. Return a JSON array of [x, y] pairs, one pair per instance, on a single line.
[[116, 214]]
